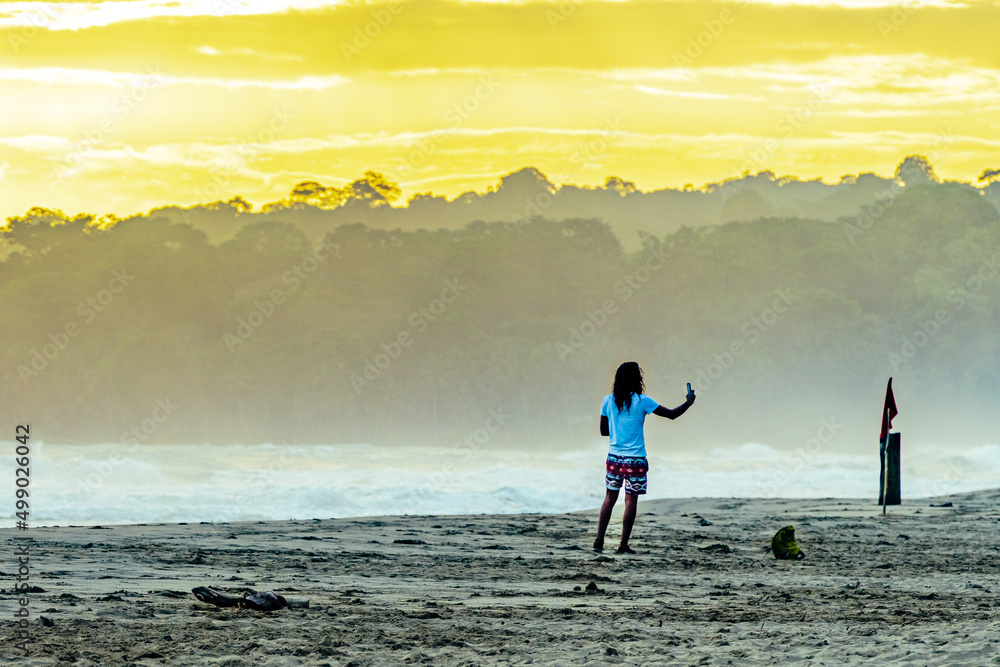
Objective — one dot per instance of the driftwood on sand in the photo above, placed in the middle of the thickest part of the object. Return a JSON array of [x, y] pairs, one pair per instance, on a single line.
[[259, 601]]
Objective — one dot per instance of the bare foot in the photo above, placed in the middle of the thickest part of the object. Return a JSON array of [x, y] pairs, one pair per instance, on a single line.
[[624, 549], [598, 545]]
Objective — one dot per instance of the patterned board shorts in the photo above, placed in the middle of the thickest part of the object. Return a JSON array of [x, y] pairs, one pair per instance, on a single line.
[[628, 470]]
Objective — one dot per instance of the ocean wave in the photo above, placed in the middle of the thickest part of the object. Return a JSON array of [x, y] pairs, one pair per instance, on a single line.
[[115, 484]]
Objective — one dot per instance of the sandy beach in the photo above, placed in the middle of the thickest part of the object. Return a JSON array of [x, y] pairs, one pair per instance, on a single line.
[[915, 587]]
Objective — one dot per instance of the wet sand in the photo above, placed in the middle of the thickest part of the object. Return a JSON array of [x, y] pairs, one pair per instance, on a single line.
[[919, 586]]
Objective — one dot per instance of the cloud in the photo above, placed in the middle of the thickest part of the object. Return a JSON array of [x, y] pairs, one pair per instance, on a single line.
[[893, 139], [861, 4], [867, 82], [65, 76], [37, 143], [80, 15], [207, 50], [694, 95], [202, 155], [891, 113]]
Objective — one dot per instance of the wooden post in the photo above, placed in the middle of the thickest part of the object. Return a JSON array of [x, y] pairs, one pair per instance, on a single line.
[[890, 492]]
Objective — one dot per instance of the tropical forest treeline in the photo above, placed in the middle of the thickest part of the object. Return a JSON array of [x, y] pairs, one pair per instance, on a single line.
[[144, 330]]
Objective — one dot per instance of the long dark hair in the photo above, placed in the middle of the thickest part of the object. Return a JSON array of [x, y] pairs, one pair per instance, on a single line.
[[628, 381]]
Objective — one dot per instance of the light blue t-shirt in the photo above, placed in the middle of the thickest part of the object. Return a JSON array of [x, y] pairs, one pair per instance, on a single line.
[[625, 428]]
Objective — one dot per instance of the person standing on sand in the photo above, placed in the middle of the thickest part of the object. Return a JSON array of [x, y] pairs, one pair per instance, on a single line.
[[622, 416]]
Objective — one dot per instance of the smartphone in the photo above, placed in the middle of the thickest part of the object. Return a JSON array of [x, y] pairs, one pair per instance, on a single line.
[[689, 387]]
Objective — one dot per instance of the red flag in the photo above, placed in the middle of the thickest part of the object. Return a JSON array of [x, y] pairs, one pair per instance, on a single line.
[[888, 411]]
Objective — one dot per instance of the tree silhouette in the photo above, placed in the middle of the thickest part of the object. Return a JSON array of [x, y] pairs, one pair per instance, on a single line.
[[990, 175], [259, 335]]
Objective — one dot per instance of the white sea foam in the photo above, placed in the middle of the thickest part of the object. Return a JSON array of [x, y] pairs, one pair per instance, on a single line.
[[116, 484]]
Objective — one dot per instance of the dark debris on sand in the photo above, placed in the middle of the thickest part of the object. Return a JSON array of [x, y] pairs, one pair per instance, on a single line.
[[925, 598]]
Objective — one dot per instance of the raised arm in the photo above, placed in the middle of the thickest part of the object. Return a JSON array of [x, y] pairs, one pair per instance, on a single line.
[[661, 411]]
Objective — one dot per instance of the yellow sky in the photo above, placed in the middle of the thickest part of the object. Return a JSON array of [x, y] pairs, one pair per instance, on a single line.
[[123, 105]]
